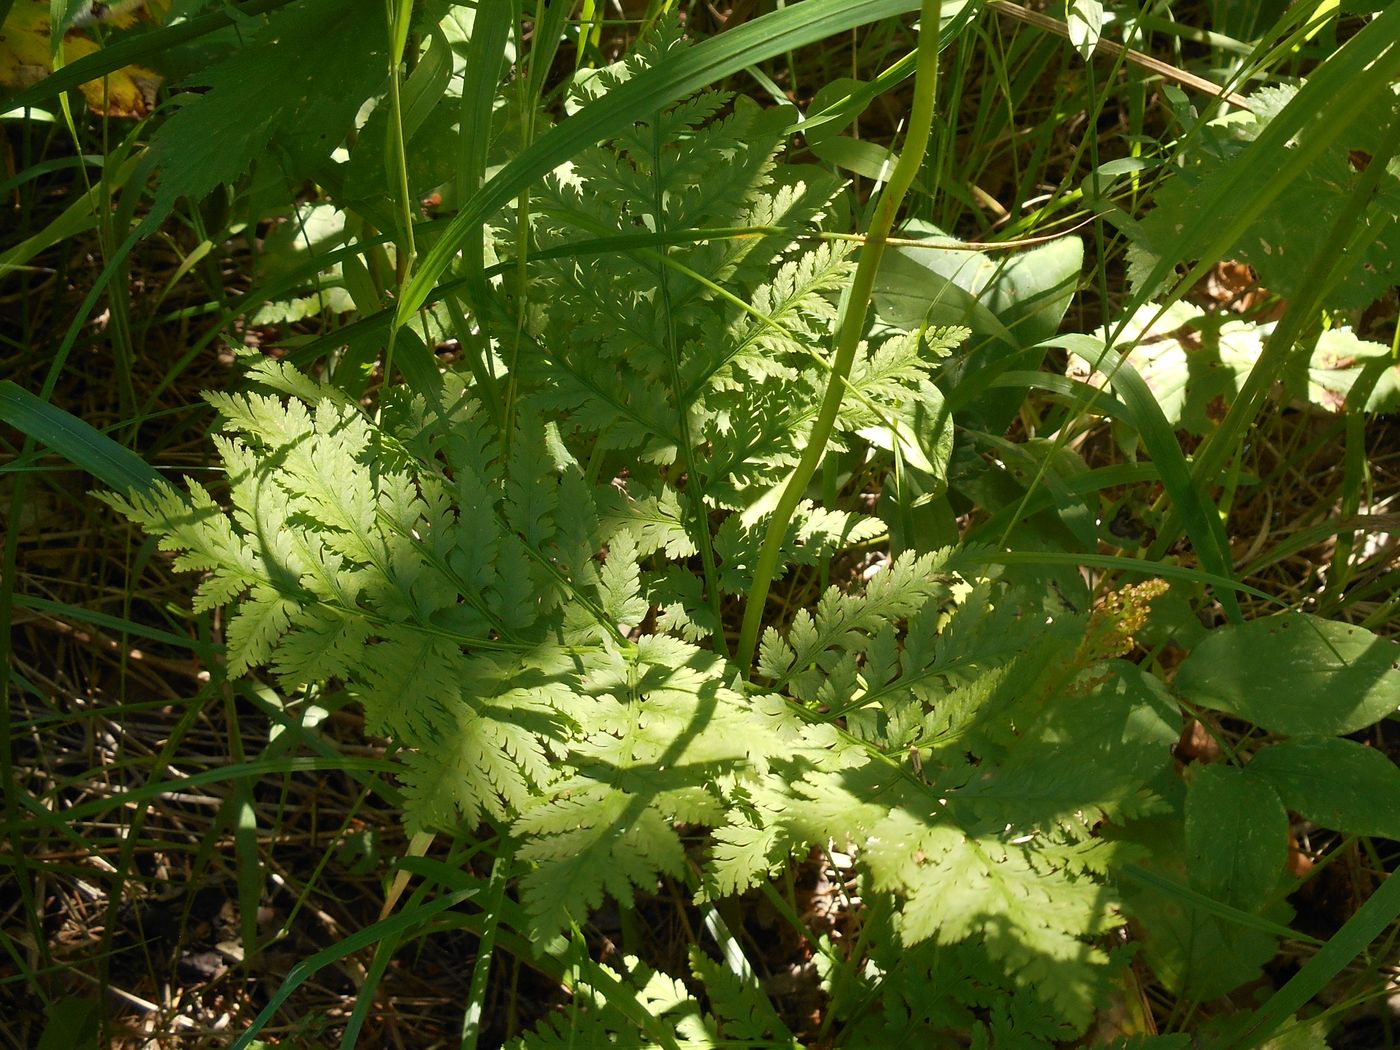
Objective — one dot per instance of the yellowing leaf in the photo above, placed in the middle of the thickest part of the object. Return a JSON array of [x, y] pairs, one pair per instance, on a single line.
[[25, 59]]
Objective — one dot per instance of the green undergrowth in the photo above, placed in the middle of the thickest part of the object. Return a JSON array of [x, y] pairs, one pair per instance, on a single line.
[[685, 504]]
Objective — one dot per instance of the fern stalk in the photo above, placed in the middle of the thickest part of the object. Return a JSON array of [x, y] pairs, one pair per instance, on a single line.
[[398, 13], [850, 324], [687, 446]]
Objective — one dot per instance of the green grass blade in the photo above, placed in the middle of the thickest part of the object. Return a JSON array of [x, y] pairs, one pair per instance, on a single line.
[[1087, 484], [1137, 566], [1189, 897], [116, 467], [394, 926], [772, 34], [1203, 525], [1298, 318], [480, 80], [65, 612], [248, 868], [481, 968], [83, 214], [1369, 922], [1340, 92], [337, 763]]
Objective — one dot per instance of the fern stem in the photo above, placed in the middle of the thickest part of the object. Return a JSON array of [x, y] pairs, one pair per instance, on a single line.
[[398, 158], [695, 489], [849, 325], [398, 13]]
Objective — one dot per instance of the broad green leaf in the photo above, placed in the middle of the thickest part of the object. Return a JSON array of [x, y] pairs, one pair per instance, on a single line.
[[273, 90], [1089, 752], [430, 134], [936, 283], [835, 104], [1339, 784], [1146, 879], [1336, 365], [1195, 950], [1031, 290], [832, 108], [1189, 361], [1295, 674], [1085, 20], [1029, 293], [869, 159], [922, 432], [1311, 1035], [1195, 362], [1236, 836], [1012, 303]]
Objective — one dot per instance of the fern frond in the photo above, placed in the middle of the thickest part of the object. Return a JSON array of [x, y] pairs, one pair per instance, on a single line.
[[664, 733], [742, 1011], [257, 627], [641, 1008], [1027, 919], [848, 620], [656, 522]]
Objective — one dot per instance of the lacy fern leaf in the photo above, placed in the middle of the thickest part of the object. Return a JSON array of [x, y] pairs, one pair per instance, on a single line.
[[528, 593], [475, 608], [972, 770]]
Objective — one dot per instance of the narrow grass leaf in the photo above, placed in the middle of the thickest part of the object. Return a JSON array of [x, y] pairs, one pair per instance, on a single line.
[[394, 926], [1368, 923], [1203, 524], [64, 611], [116, 467], [1160, 883], [83, 214], [249, 865], [337, 763], [485, 53], [1136, 566], [1344, 89]]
